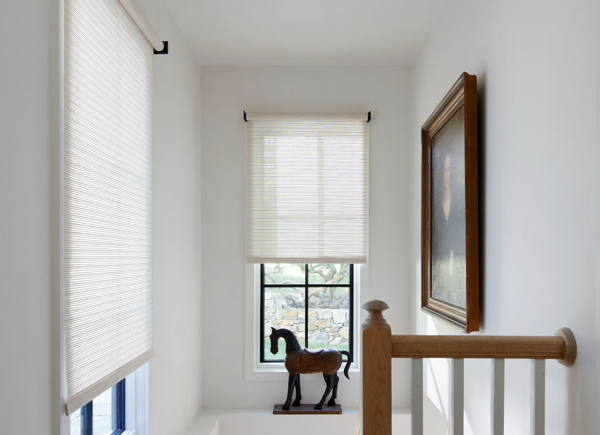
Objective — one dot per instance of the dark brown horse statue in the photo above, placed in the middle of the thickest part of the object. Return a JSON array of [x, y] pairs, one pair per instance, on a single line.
[[298, 360]]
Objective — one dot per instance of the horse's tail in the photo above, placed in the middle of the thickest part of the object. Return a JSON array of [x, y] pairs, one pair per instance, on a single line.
[[348, 363]]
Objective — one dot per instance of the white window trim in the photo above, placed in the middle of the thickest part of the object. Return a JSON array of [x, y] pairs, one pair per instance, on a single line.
[[136, 402], [257, 371]]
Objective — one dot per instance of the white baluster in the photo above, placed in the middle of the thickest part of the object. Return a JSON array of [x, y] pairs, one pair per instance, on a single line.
[[538, 396], [498, 396], [458, 397], [417, 396]]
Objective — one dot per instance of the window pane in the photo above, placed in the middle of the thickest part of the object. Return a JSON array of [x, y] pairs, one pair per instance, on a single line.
[[328, 273], [284, 273], [329, 318], [102, 413], [76, 422], [284, 308]]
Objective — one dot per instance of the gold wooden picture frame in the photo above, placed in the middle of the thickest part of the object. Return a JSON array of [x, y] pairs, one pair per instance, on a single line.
[[450, 209]]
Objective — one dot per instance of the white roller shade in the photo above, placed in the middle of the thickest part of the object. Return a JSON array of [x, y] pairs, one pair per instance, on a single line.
[[106, 198], [306, 188]]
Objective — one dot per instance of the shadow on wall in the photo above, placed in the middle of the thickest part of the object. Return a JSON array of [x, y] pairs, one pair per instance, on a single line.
[[434, 421], [572, 402]]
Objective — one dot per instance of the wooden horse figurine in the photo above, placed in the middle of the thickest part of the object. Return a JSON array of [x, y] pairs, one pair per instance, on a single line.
[[298, 360]]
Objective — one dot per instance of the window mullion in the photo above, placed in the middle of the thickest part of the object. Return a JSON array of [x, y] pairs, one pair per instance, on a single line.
[[118, 407], [302, 285], [351, 312], [87, 418], [306, 306]]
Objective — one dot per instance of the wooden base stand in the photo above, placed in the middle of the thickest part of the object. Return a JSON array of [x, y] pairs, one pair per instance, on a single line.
[[307, 409]]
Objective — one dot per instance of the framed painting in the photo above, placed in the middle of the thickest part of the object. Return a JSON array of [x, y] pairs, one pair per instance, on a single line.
[[449, 209]]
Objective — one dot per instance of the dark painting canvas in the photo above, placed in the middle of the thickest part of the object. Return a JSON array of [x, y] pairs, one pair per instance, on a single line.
[[448, 235]]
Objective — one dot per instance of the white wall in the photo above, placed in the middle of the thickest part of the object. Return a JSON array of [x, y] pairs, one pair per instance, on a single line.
[[597, 209], [175, 389], [29, 329], [535, 63], [29, 402], [226, 92]]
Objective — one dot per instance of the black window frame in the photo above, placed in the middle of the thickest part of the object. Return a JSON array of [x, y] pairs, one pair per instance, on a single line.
[[117, 412], [306, 286]]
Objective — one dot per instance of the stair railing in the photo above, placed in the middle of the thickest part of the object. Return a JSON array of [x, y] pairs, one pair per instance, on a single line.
[[380, 346]]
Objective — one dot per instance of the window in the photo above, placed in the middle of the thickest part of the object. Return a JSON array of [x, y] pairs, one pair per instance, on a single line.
[[103, 415], [306, 229], [328, 315], [121, 409]]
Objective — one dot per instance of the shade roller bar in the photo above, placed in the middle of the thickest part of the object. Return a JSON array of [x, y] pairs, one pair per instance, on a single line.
[[340, 116], [306, 189], [143, 24]]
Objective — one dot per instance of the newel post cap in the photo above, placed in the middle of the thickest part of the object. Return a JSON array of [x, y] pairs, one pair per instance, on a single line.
[[375, 309], [570, 354]]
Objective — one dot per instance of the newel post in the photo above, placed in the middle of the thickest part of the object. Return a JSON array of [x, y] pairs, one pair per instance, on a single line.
[[377, 371]]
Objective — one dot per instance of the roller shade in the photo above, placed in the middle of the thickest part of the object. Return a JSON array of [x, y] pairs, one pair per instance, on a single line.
[[107, 280], [143, 24], [306, 188]]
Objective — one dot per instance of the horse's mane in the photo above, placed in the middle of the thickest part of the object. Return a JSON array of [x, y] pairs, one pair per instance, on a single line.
[[285, 332]]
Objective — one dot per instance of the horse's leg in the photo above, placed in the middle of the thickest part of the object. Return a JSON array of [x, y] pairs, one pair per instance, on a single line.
[[298, 395], [330, 381], [334, 394], [327, 380], [291, 382]]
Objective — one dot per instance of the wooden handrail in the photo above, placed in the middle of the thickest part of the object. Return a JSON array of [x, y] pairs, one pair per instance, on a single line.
[[380, 346], [561, 347]]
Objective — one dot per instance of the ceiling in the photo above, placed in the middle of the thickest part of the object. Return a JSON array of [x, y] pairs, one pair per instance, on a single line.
[[305, 32]]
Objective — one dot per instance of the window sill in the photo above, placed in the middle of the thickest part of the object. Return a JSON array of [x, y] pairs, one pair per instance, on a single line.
[[277, 372]]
